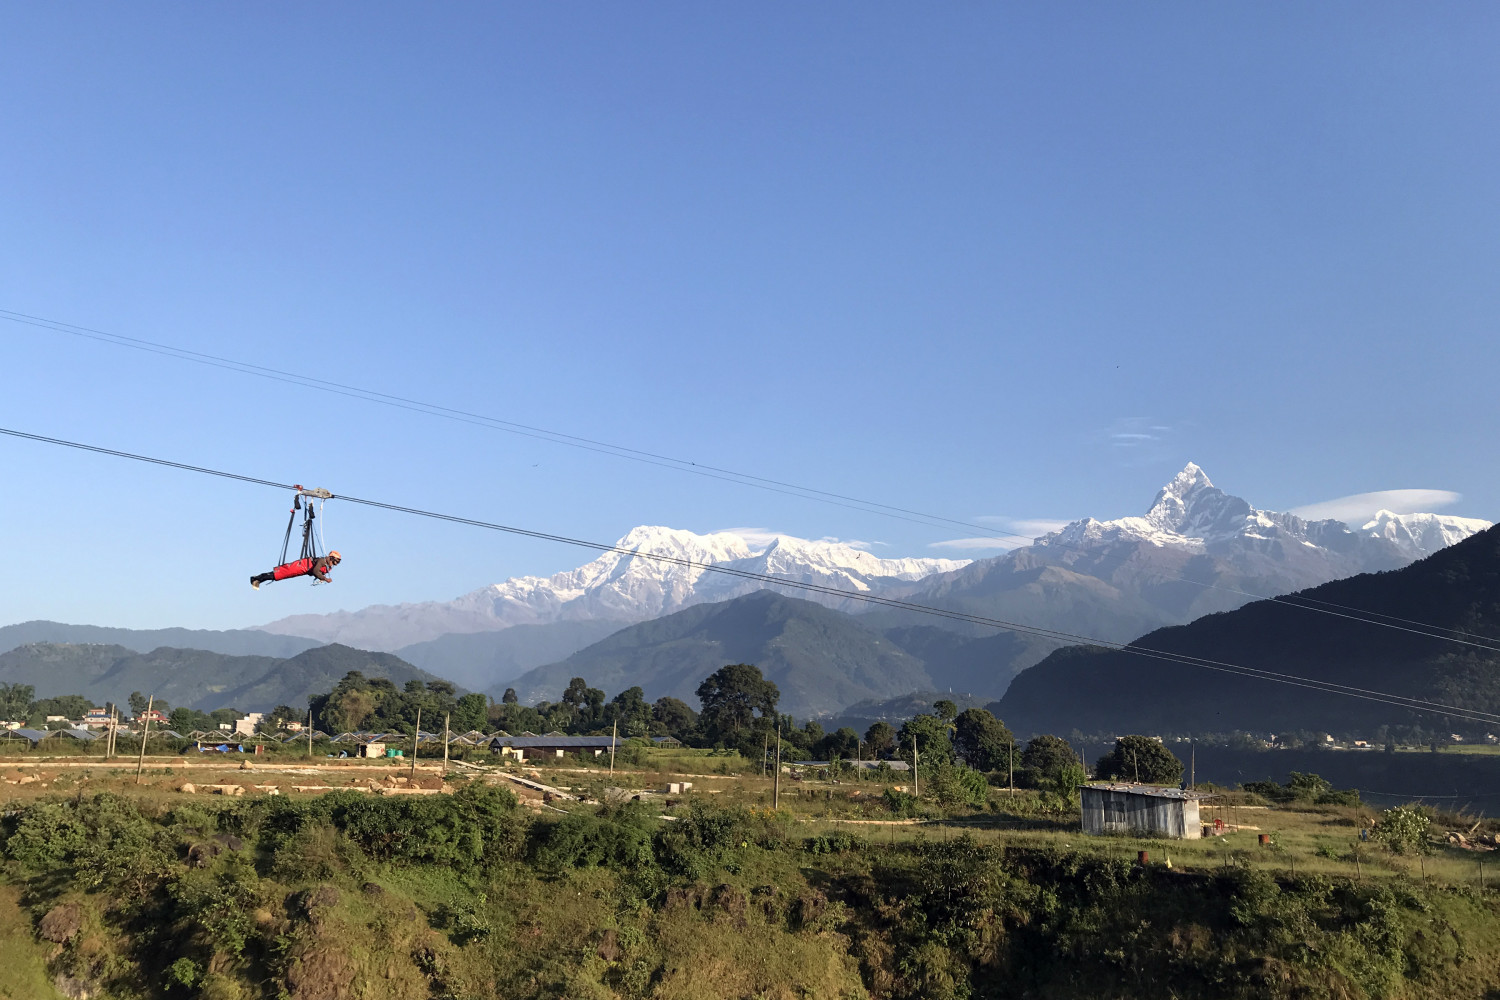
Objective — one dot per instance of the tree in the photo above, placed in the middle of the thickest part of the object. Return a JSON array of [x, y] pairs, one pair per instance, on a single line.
[[1044, 758], [16, 700], [281, 715], [945, 710], [509, 698], [982, 740], [576, 695], [1140, 758], [137, 702], [673, 716], [880, 739], [844, 743], [632, 711], [931, 735], [731, 697], [471, 712], [442, 687]]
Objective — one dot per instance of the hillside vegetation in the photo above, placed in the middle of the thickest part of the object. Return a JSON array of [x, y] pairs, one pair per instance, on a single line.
[[470, 896], [1095, 690], [195, 678]]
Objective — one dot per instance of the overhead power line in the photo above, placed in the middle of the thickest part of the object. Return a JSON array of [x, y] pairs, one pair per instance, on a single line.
[[1327, 687], [513, 427], [845, 501]]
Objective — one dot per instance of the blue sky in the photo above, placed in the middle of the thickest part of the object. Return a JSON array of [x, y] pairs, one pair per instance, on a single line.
[[1017, 262]]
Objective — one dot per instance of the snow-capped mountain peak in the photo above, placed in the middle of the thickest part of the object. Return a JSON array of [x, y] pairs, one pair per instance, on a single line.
[[628, 586], [1421, 534]]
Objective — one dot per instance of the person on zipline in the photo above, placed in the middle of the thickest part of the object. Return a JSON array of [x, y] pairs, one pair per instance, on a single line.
[[317, 567]]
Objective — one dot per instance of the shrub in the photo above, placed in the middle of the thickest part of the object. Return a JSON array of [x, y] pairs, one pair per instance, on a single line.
[[1402, 829]]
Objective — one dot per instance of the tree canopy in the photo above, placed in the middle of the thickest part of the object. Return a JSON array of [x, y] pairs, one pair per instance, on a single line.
[[982, 740], [731, 697], [1140, 758]]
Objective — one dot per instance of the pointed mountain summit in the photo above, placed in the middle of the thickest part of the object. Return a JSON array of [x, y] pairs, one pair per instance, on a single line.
[[1197, 550]]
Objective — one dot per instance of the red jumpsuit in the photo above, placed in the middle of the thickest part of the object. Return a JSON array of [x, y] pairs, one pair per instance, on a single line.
[[303, 567], [318, 568]]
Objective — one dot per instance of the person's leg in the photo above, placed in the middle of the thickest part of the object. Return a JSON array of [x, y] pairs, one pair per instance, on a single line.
[[260, 578]]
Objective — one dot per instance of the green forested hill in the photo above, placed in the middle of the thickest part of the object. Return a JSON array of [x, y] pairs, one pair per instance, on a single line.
[[821, 659], [1096, 690], [235, 642], [193, 678]]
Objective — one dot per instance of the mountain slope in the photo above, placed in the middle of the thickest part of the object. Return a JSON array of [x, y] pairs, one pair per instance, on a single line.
[[620, 587], [1095, 690], [195, 678], [1197, 550], [821, 659], [485, 659], [236, 642]]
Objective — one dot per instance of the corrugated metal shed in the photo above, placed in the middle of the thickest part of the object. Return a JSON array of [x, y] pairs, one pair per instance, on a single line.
[[1123, 807]]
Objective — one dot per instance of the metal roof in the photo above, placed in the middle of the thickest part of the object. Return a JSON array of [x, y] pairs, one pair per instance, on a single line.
[[1155, 791], [526, 742]]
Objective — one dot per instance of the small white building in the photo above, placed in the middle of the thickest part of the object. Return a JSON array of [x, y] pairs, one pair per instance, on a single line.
[[246, 726]]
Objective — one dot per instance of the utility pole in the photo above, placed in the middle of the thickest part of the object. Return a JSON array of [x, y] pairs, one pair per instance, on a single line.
[[309, 734], [1011, 761], [114, 725], [916, 779], [415, 736], [1135, 762], [446, 717], [776, 788], [614, 738], [140, 761], [1193, 766]]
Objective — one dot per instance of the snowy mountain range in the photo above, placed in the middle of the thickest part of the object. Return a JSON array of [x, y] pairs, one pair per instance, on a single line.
[[1196, 550], [1273, 552], [624, 587]]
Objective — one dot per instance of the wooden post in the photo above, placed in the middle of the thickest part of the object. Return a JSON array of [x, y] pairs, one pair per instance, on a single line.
[[140, 761], [1481, 874], [916, 779], [446, 717], [776, 788], [1193, 765], [416, 734], [114, 726], [1011, 766], [309, 734], [614, 738]]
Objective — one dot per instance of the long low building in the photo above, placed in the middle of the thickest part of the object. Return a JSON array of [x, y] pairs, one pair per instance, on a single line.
[[525, 747], [1154, 810]]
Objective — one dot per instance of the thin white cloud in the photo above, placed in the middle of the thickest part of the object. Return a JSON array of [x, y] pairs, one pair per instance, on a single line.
[[754, 536], [1037, 528], [765, 536], [853, 543], [973, 544], [1020, 532], [1361, 507]]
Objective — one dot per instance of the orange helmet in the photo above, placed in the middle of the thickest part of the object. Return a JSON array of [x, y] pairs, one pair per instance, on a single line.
[[334, 555]]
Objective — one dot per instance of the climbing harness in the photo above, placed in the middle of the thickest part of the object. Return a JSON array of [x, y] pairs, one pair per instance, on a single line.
[[310, 503]]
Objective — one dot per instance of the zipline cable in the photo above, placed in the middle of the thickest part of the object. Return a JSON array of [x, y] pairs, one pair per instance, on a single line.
[[512, 427], [1326, 687], [662, 461]]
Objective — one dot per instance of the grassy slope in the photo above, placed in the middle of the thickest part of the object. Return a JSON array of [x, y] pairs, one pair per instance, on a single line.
[[1069, 918], [23, 959]]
